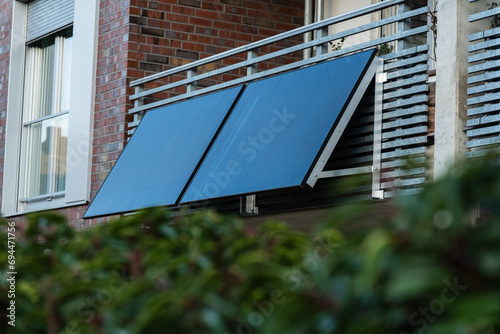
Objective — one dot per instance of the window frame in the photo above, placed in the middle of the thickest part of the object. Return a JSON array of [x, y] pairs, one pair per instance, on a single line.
[[82, 96]]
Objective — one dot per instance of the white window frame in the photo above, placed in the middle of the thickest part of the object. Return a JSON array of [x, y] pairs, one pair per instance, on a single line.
[[82, 95]]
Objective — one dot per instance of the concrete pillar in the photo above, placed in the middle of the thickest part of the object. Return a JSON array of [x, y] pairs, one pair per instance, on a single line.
[[453, 29]]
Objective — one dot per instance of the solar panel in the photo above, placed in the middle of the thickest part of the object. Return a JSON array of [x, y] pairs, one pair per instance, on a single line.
[[278, 128], [163, 153]]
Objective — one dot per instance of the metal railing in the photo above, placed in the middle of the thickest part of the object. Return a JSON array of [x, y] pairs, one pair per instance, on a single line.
[[483, 131], [402, 120]]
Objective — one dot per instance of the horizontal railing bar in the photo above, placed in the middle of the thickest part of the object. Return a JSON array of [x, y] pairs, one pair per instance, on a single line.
[[279, 53], [345, 172], [406, 82], [483, 98], [489, 108], [484, 34], [406, 52], [403, 183], [407, 71], [273, 39], [405, 122], [484, 55], [483, 77], [405, 142], [483, 120], [405, 92], [404, 172], [484, 15], [404, 153], [284, 68], [484, 45], [483, 142], [484, 131], [399, 133], [418, 109], [406, 102], [405, 62], [488, 65], [402, 162]]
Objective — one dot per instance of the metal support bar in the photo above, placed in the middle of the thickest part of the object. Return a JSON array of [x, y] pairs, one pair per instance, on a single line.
[[380, 78], [248, 205], [192, 86], [252, 68], [345, 172], [322, 48], [403, 26]]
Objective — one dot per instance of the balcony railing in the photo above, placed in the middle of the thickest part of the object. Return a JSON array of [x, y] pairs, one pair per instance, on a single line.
[[383, 132], [483, 129]]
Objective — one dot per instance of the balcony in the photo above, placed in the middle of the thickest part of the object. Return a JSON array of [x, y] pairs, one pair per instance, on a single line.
[[389, 126]]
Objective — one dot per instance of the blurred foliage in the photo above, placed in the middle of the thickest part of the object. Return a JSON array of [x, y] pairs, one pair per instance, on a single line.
[[432, 268]]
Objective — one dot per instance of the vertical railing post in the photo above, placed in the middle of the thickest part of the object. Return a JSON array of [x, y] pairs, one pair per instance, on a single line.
[[252, 68], [403, 26], [322, 48], [380, 79], [192, 86], [138, 115]]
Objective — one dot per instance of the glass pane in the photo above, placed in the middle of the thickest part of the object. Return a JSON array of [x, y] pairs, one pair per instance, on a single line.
[[46, 156], [66, 73]]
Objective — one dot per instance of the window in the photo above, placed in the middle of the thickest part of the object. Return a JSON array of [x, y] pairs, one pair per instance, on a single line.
[[46, 109], [50, 106]]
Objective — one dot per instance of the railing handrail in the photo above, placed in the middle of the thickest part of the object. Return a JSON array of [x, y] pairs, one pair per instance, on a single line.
[[273, 39]]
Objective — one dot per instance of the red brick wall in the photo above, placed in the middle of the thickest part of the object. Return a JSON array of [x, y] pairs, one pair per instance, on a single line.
[[141, 37]]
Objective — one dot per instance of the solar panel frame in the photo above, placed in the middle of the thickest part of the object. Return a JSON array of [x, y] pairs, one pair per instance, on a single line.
[[186, 129], [213, 185]]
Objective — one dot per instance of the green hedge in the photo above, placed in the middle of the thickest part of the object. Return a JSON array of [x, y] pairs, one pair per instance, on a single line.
[[431, 269]]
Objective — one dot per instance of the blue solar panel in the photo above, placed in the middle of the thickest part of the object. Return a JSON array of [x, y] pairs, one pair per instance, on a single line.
[[163, 153], [277, 129]]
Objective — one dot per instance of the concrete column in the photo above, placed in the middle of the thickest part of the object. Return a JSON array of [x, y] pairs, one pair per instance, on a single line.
[[453, 29]]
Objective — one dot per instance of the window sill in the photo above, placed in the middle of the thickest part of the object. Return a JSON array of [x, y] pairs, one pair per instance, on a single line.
[[58, 203]]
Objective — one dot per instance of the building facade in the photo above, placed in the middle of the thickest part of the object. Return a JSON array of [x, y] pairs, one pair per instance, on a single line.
[[78, 76]]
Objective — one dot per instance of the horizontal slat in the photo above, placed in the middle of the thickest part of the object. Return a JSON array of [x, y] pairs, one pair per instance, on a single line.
[[404, 122], [402, 192], [405, 112], [406, 52], [405, 132], [405, 142], [483, 98], [484, 45], [485, 14], [489, 65], [490, 108], [403, 162], [405, 92], [484, 34], [484, 88], [483, 77], [407, 72], [483, 131], [484, 55], [402, 172], [404, 153], [482, 153], [403, 182], [405, 62], [406, 102], [419, 78], [483, 120], [483, 142]]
